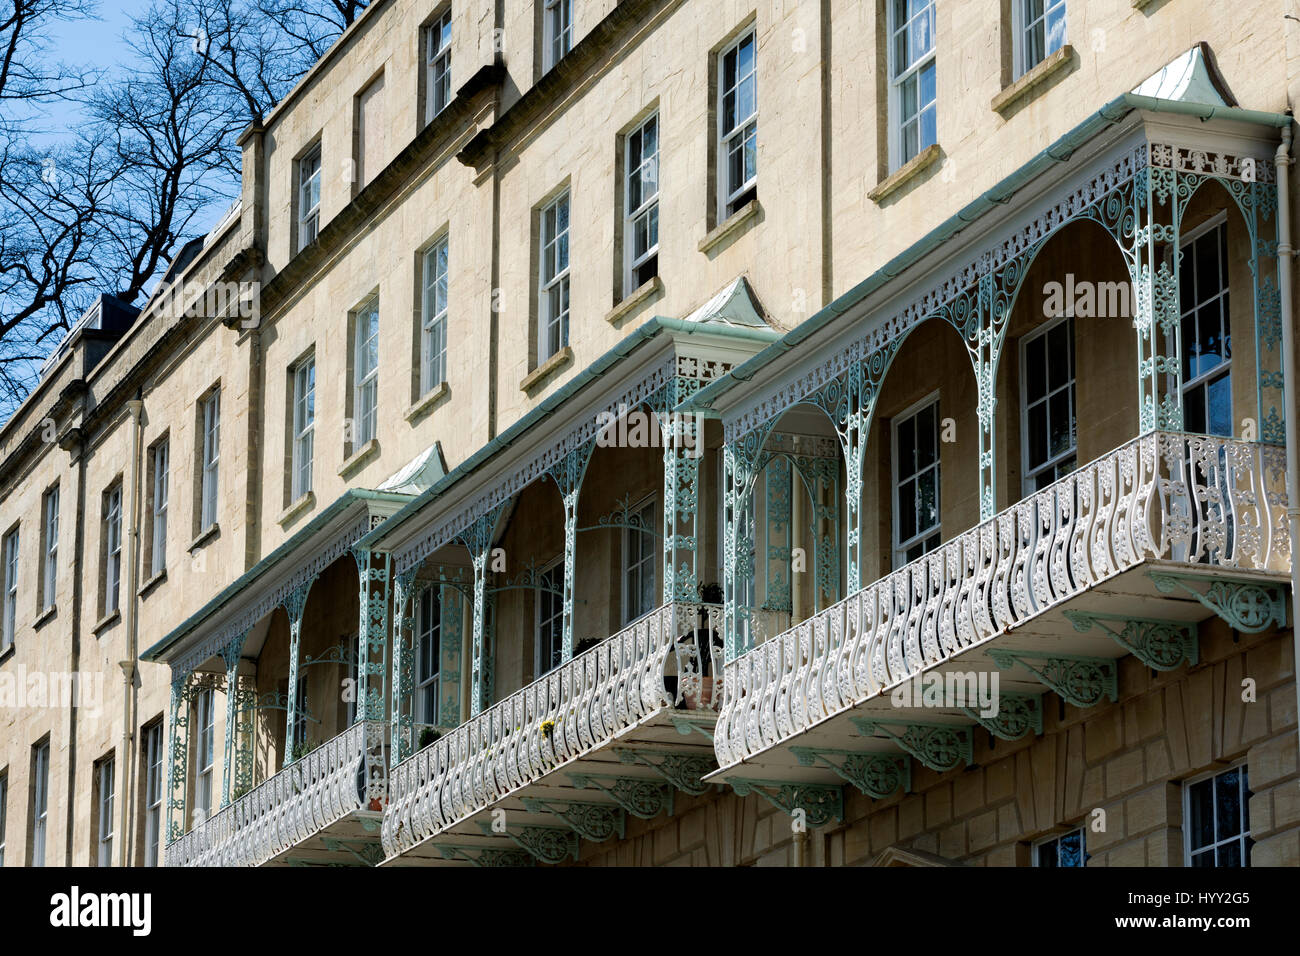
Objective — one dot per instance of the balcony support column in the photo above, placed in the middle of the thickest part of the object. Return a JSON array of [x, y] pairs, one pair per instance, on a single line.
[[478, 538], [374, 574], [567, 474], [178, 758], [402, 743], [683, 444], [741, 461], [294, 604], [1157, 217], [231, 654]]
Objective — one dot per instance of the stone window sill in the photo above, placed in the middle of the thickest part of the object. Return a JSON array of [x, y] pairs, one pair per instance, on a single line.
[[905, 173], [1033, 82], [203, 537], [152, 583], [544, 371], [730, 226], [45, 617], [304, 502], [425, 404], [107, 621], [632, 300], [358, 458]]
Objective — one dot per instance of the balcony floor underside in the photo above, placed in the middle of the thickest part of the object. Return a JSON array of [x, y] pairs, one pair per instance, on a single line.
[[667, 731], [1129, 594], [351, 841]]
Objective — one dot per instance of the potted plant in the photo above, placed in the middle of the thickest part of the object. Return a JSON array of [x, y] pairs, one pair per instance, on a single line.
[[427, 736]]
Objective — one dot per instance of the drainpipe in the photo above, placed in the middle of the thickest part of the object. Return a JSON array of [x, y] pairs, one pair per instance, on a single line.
[[1284, 255], [135, 408]]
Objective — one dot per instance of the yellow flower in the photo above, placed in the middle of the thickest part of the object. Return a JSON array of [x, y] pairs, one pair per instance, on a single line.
[[548, 727]]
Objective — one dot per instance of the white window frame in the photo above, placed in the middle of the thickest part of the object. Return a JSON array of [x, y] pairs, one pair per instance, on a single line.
[[1021, 26], [1053, 462], [1057, 838], [900, 76], [50, 559], [643, 169], [4, 811], [153, 794], [304, 427], [557, 32], [636, 566], [161, 494], [104, 829], [1215, 225], [40, 802], [1243, 785], [309, 181], [113, 549], [365, 377], [545, 593], [428, 629], [433, 315], [204, 752], [211, 461], [9, 623], [437, 65], [553, 277], [901, 547], [740, 130]]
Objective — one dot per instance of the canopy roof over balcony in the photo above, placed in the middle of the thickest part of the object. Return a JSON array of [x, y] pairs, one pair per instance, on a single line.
[[263, 587], [1185, 103], [722, 333]]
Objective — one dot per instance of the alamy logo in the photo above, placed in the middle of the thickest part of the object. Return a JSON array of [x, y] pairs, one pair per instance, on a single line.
[[76, 909], [638, 428], [975, 690], [1087, 299]]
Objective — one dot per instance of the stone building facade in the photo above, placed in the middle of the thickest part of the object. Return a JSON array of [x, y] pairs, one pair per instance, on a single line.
[[592, 417]]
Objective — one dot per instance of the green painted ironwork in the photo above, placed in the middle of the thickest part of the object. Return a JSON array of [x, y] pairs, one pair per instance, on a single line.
[[683, 770], [178, 757], [642, 798], [295, 602], [820, 803], [596, 822], [365, 852], [545, 844], [402, 722], [1160, 644], [940, 747], [1017, 716], [1248, 606], [876, 775], [682, 450], [568, 474], [478, 538], [485, 856], [374, 577], [1081, 681], [230, 655]]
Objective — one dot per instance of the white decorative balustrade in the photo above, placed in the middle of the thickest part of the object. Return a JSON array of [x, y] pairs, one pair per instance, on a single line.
[[1164, 496], [291, 807], [575, 709]]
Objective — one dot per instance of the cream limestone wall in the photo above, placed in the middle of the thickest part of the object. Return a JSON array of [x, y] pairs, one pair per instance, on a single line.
[[815, 235]]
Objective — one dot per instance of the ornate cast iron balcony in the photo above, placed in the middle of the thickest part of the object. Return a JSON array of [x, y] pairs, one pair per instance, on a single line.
[[1175, 504], [317, 807], [539, 751]]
